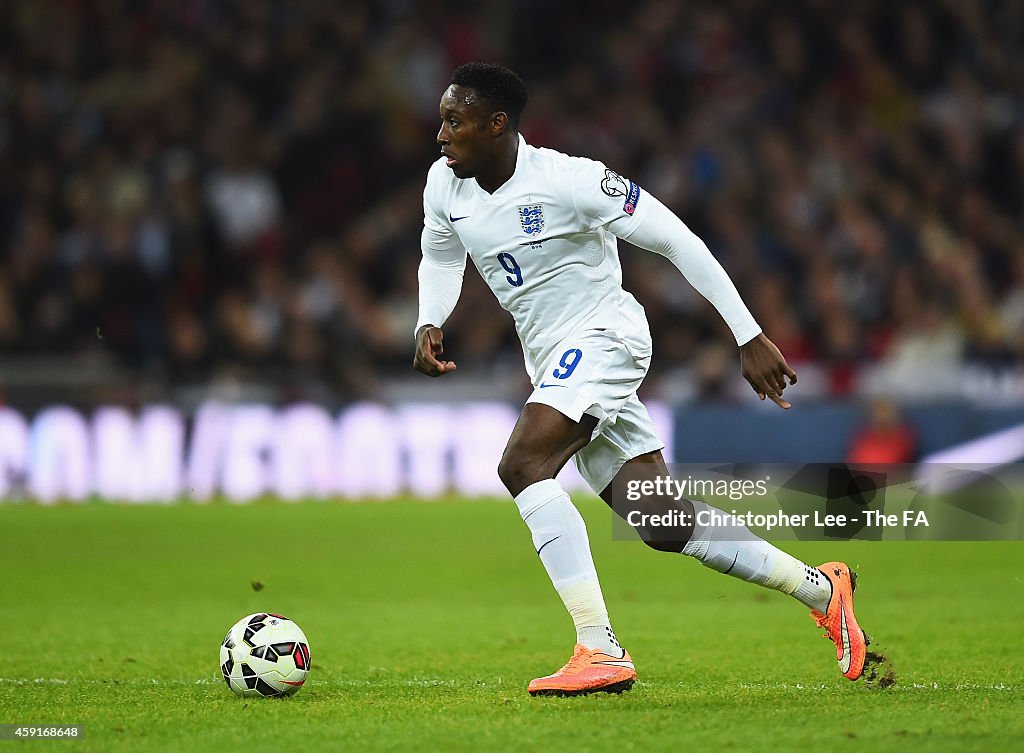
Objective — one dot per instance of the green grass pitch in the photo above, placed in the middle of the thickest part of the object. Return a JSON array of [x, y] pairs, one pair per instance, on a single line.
[[427, 620]]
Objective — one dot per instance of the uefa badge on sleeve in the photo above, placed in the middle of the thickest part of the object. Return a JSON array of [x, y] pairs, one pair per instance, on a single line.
[[531, 218], [616, 186]]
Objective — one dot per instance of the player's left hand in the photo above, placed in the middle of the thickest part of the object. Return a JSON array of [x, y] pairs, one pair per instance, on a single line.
[[766, 370]]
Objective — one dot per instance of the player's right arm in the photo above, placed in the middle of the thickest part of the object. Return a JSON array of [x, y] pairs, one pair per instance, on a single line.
[[440, 276]]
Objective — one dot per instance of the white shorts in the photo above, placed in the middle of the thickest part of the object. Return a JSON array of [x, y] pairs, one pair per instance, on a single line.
[[596, 373]]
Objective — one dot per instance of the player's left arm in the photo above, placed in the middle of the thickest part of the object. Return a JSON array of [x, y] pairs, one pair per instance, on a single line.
[[620, 205], [659, 230]]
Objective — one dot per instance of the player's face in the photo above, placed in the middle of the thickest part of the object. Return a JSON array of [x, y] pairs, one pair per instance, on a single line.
[[463, 137]]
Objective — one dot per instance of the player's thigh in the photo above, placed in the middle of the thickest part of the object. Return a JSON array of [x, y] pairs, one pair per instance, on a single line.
[[541, 430], [541, 443], [580, 389], [629, 438]]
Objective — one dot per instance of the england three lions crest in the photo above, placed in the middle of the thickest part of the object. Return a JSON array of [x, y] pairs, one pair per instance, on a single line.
[[531, 217]]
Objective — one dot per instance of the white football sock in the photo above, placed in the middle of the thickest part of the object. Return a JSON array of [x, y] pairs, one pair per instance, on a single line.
[[731, 548], [560, 538]]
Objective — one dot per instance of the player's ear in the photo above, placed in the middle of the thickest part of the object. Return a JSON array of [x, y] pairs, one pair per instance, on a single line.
[[498, 122]]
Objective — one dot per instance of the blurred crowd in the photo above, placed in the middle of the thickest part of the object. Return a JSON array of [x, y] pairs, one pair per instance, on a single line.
[[203, 190]]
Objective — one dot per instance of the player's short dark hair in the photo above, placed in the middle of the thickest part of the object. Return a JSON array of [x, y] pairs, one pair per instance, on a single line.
[[499, 85]]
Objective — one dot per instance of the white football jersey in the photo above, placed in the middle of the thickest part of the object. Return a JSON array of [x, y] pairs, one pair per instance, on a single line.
[[545, 243]]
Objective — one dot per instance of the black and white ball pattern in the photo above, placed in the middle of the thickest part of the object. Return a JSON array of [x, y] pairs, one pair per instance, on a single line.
[[264, 654]]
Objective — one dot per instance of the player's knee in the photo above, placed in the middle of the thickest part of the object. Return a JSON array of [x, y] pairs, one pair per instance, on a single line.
[[517, 472], [664, 525], [665, 546]]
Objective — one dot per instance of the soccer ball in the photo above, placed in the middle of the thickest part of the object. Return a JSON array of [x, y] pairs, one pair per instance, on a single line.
[[264, 654]]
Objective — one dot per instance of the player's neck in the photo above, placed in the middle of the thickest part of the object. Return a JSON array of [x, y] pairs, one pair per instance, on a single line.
[[503, 166]]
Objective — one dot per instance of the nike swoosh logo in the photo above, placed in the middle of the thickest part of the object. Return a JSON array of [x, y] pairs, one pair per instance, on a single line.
[[844, 632], [734, 560], [456, 219], [548, 542], [623, 663], [542, 385]]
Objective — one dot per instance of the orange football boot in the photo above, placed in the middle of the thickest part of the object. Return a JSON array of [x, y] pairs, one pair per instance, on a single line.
[[588, 671], [839, 622]]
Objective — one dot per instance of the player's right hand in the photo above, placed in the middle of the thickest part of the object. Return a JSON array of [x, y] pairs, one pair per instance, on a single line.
[[428, 348]]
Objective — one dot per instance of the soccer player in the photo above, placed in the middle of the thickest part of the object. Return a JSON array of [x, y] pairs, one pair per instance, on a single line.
[[541, 228]]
